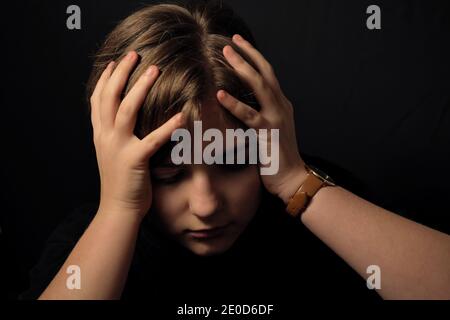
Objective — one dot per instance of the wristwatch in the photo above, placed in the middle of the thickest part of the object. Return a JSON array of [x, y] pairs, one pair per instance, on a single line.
[[315, 180]]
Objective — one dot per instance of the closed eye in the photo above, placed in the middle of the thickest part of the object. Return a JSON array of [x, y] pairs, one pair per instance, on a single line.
[[168, 175], [234, 167]]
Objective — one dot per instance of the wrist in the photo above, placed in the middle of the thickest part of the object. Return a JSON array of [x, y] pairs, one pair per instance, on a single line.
[[119, 213], [295, 180]]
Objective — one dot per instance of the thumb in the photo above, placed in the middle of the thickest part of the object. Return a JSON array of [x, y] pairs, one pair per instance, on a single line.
[[158, 137]]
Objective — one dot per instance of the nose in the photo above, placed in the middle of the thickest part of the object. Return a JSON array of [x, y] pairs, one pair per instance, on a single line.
[[204, 199]]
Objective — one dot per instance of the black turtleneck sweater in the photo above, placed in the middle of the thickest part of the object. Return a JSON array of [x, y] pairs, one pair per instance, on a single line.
[[275, 261]]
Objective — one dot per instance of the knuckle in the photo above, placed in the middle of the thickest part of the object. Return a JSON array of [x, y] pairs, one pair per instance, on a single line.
[[290, 106], [153, 143], [240, 62], [269, 68], [108, 93], [250, 114], [277, 122], [156, 144], [125, 112], [141, 88], [261, 83], [234, 103]]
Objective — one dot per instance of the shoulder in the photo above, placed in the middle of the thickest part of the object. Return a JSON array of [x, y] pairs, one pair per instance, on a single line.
[[58, 246]]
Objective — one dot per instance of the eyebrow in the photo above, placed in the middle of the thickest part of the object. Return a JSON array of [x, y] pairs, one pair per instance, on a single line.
[[236, 148], [166, 163]]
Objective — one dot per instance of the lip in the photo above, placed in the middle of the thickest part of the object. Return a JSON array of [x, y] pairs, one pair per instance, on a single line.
[[207, 233]]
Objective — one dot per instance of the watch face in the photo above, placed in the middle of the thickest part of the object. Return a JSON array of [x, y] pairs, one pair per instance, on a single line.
[[322, 175]]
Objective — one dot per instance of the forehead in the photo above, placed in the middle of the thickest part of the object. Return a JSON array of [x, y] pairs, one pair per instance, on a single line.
[[214, 115]]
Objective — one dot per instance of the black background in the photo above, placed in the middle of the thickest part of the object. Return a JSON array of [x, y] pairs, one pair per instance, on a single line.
[[372, 105]]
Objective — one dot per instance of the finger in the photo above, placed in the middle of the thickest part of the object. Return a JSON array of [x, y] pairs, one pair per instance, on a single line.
[[95, 97], [263, 65], [249, 116], [110, 96], [247, 73], [157, 138], [127, 114], [102, 81]]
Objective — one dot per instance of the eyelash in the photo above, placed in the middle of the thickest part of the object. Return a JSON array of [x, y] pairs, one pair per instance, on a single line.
[[179, 175], [234, 167], [171, 179]]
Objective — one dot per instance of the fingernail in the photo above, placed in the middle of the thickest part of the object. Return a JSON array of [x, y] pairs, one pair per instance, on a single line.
[[222, 94], [238, 37], [110, 64], [231, 52], [180, 118], [130, 55], [150, 71]]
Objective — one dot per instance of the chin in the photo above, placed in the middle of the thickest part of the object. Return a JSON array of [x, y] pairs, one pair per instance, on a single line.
[[210, 248]]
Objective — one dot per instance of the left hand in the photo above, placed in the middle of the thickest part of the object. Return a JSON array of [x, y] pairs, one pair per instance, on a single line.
[[276, 112]]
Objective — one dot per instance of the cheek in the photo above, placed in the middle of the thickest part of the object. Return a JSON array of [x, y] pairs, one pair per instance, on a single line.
[[169, 205], [243, 193]]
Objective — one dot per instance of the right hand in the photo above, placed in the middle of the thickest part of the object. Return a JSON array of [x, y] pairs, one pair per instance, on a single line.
[[123, 158]]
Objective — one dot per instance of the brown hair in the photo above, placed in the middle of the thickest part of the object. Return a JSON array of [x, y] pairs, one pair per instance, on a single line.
[[185, 41]]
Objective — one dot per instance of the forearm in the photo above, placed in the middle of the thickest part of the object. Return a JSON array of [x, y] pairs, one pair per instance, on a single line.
[[414, 259], [104, 254]]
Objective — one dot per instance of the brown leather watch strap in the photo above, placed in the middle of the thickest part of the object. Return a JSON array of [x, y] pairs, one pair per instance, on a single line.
[[301, 198]]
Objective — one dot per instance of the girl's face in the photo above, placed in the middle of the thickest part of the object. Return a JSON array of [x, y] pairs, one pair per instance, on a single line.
[[206, 207]]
